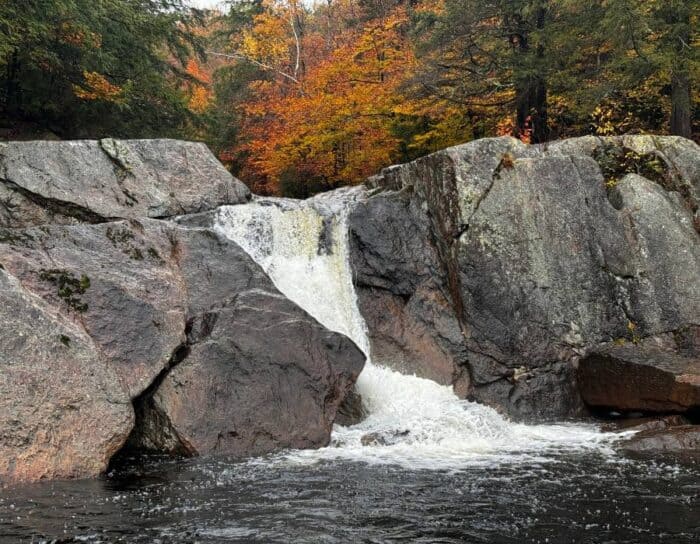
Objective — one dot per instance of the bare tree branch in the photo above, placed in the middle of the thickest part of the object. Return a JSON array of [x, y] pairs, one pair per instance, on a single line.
[[241, 56]]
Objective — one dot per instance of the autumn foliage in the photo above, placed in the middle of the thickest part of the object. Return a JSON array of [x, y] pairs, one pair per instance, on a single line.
[[297, 97], [328, 104]]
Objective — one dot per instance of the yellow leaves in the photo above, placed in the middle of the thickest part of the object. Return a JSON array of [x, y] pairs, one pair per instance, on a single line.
[[269, 40], [200, 94], [200, 97], [274, 38], [602, 121], [98, 87]]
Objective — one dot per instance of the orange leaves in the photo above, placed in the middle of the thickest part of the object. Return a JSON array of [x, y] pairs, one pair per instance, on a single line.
[[98, 87], [73, 35], [199, 91], [348, 109], [336, 123]]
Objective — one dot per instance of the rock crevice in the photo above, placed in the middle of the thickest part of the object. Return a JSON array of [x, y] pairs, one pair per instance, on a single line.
[[544, 268], [142, 329]]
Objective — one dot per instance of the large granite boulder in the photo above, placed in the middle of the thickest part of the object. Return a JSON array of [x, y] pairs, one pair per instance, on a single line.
[[177, 320], [63, 411], [144, 332], [94, 181], [544, 252], [257, 373], [402, 291]]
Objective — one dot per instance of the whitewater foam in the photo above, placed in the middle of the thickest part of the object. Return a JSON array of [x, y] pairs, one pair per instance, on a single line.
[[415, 422]]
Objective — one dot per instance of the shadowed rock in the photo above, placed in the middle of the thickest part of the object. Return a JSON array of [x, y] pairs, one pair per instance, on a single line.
[[640, 378], [402, 291], [259, 373]]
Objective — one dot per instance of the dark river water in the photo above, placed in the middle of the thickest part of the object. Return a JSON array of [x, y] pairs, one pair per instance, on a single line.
[[584, 497]]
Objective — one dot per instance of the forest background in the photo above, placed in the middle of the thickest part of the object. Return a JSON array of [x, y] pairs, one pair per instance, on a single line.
[[297, 97]]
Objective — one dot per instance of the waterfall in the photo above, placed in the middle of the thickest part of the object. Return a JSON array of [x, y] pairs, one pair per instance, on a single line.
[[303, 247]]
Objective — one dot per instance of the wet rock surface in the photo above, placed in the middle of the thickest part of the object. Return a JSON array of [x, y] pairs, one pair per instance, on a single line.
[[646, 423], [402, 291], [386, 438], [683, 439], [351, 411], [550, 250], [45, 182]]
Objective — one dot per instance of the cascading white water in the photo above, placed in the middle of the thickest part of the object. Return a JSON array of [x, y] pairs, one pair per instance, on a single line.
[[303, 246]]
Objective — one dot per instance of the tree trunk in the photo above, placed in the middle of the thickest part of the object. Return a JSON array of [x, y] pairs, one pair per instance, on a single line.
[[678, 19], [531, 110], [12, 95], [680, 105], [531, 93]]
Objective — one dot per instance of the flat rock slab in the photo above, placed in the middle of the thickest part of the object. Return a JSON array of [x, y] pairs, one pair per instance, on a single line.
[[66, 182], [640, 378], [684, 439], [646, 423]]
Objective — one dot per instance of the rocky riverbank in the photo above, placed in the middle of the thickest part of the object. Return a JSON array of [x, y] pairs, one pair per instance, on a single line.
[[549, 282], [141, 332], [543, 257]]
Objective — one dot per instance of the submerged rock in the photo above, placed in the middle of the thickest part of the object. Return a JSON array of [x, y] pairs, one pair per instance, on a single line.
[[683, 439], [544, 252], [351, 411], [646, 423], [45, 182], [384, 438]]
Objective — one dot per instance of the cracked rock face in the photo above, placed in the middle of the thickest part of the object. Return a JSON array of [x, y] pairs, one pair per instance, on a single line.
[[177, 320], [546, 251], [402, 291], [119, 282], [258, 373], [69, 182]]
